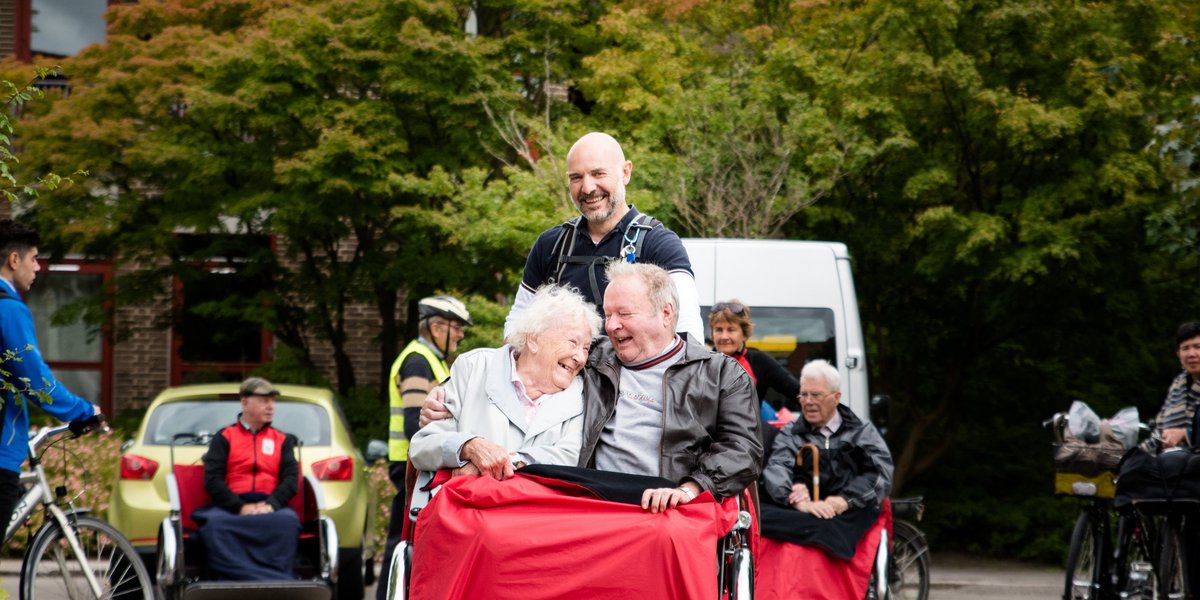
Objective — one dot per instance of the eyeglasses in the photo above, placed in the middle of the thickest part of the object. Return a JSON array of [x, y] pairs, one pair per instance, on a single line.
[[736, 308], [812, 395], [455, 325]]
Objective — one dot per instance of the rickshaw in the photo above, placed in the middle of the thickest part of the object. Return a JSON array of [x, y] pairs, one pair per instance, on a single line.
[[605, 547], [181, 573]]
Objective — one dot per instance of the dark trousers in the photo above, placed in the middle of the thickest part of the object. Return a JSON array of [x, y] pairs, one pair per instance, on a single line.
[[11, 491], [396, 472]]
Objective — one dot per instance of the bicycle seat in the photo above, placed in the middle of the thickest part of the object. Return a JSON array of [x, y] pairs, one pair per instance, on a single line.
[[913, 506]]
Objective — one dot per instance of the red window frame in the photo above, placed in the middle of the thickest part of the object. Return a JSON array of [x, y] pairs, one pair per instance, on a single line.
[[105, 365], [180, 367]]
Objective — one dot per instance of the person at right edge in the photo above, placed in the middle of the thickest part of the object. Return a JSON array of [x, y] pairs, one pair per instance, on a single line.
[[1176, 420], [1177, 424], [422, 365]]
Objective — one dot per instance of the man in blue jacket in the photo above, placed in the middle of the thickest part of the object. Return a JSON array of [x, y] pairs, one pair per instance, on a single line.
[[26, 378]]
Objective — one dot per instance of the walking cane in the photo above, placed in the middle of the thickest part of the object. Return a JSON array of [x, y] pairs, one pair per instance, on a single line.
[[816, 478]]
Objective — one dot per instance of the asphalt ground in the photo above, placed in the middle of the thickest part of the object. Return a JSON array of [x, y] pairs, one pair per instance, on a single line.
[[952, 577]]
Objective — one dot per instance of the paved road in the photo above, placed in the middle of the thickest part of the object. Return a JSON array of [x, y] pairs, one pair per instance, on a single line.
[[958, 577], [953, 577]]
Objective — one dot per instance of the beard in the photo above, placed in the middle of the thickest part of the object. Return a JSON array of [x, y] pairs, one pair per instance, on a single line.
[[604, 210]]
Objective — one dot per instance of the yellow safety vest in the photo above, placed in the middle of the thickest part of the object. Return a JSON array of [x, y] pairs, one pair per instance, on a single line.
[[397, 441]]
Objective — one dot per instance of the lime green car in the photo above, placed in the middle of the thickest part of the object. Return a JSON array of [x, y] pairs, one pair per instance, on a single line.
[[182, 419]]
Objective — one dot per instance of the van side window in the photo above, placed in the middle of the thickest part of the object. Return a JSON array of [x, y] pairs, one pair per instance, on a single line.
[[794, 336]]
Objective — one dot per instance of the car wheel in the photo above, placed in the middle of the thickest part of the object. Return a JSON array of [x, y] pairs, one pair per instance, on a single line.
[[350, 574]]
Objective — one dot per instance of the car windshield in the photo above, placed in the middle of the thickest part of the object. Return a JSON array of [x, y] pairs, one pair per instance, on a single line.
[[308, 422]]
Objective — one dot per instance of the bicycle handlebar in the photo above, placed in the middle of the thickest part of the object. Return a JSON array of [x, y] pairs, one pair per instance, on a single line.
[[88, 425], [76, 428], [1054, 420]]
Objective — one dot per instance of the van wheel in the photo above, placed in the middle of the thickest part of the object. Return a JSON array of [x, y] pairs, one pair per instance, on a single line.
[[350, 574]]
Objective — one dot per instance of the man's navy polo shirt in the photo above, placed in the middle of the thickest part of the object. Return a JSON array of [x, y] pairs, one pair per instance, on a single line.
[[661, 247]]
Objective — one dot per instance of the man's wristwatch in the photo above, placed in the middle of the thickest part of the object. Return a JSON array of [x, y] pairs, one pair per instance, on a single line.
[[690, 495]]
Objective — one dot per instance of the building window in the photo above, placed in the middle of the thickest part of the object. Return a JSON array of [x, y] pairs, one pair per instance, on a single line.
[[64, 27], [212, 338], [76, 352]]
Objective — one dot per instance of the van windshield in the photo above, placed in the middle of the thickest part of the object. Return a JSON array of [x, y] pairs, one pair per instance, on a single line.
[[793, 336]]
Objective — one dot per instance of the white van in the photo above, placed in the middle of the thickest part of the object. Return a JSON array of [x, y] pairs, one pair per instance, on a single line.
[[802, 301]]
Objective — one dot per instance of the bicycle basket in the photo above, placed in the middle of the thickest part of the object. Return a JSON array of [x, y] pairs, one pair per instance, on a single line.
[[1075, 456], [1073, 484]]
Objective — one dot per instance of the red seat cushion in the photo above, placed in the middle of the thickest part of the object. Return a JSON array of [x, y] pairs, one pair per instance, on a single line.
[[193, 495]]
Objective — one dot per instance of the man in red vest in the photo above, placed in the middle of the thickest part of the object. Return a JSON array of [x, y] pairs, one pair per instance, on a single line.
[[250, 471]]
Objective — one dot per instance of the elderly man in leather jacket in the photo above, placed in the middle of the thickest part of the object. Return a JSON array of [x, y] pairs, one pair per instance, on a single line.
[[658, 404], [703, 434]]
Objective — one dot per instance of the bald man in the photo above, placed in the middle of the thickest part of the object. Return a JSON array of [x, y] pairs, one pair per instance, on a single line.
[[608, 229]]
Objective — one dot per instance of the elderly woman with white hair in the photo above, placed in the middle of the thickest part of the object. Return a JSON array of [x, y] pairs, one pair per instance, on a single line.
[[518, 404]]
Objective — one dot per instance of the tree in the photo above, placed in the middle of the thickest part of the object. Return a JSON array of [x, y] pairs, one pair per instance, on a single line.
[[352, 130], [734, 149], [984, 161]]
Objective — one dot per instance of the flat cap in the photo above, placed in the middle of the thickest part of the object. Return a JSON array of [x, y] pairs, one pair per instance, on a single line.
[[257, 386]]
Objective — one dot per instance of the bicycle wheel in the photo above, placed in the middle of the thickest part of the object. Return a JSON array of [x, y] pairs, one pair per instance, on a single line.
[[1134, 571], [1083, 559], [51, 570], [908, 565], [1172, 561]]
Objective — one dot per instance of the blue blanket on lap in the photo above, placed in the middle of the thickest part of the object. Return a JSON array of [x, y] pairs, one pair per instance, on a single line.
[[249, 547]]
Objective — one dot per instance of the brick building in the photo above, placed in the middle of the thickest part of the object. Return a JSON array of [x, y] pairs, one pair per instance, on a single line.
[[160, 343]]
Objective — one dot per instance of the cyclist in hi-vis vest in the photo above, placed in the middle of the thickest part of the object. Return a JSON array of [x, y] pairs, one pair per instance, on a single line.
[[421, 366]]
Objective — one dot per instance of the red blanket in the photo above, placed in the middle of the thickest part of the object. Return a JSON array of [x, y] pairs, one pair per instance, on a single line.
[[519, 539], [791, 572]]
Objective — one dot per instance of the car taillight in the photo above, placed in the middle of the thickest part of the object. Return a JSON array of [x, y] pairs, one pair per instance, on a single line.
[[137, 467], [338, 468]]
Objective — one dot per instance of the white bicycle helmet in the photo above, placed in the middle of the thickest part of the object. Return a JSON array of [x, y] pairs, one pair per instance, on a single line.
[[447, 307]]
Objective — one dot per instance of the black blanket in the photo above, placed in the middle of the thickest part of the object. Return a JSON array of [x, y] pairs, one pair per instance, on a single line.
[[838, 536]]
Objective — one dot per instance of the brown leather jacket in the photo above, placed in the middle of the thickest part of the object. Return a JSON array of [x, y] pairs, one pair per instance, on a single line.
[[710, 433]]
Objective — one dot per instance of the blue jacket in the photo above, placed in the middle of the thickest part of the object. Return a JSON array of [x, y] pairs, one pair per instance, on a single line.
[[17, 334]]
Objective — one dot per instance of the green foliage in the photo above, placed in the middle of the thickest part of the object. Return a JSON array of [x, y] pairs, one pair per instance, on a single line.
[[1016, 180], [357, 132], [999, 256], [286, 365], [14, 98], [367, 419], [725, 132]]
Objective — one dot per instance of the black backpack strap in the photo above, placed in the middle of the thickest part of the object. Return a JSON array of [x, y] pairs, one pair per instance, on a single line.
[[562, 249], [631, 248]]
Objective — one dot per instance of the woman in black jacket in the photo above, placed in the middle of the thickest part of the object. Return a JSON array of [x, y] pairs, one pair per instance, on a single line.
[[731, 327]]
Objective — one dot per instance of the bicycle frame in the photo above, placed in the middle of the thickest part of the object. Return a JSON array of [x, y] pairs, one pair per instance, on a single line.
[[40, 492]]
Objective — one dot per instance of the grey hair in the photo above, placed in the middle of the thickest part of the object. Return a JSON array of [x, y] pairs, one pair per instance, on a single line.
[[552, 306], [821, 369], [658, 283]]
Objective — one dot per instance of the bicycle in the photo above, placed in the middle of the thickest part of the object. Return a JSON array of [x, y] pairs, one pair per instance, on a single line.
[[72, 555], [1148, 559], [1151, 556], [1090, 476], [908, 563]]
